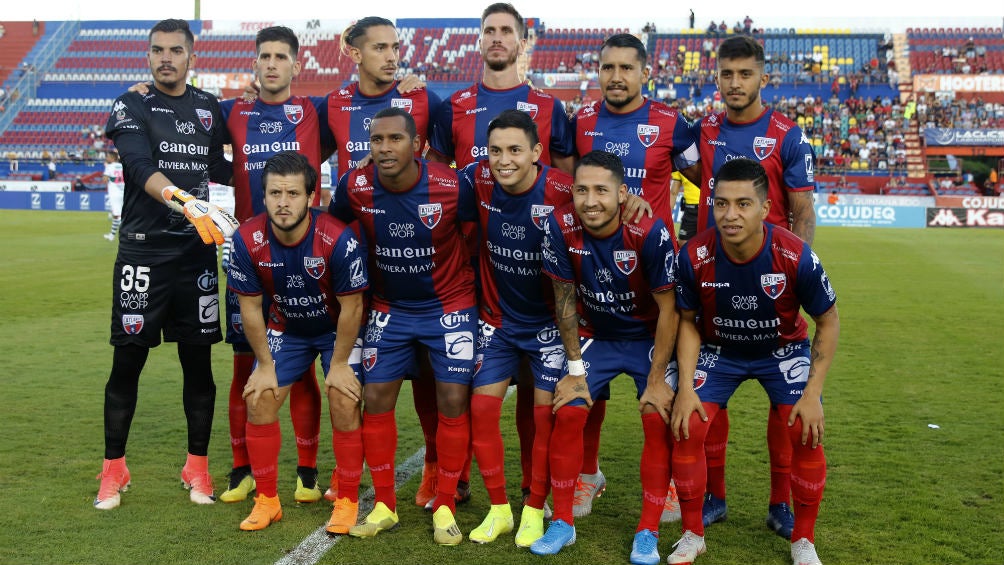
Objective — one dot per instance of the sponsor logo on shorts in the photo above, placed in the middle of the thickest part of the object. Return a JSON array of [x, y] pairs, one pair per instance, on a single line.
[[209, 309], [453, 320], [548, 334], [794, 370], [553, 357], [207, 281], [132, 323], [459, 345], [485, 333]]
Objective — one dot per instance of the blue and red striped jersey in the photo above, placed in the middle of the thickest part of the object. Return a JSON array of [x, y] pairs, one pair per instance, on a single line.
[[614, 277], [652, 141], [300, 282], [752, 307], [258, 130], [460, 127], [510, 232], [418, 261], [773, 140]]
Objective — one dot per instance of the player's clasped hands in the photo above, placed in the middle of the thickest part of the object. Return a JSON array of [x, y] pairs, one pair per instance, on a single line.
[[343, 379]]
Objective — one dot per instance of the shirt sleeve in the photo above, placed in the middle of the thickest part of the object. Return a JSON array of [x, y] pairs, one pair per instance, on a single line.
[[556, 263], [339, 205], [467, 197], [221, 171], [685, 152], [441, 136], [321, 106], [814, 291], [799, 161], [241, 275], [348, 264], [686, 287], [562, 134], [127, 128], [658, 255]]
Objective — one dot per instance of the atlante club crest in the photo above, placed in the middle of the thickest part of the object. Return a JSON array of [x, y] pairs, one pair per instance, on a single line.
[[205, 118], [626, 260], [527, 107], [773, 284], [369, 358], [294, 112], [132, 323], [402, 103], [648, 134], [430, 214], [763, 147], [539, 214], [314, 266]]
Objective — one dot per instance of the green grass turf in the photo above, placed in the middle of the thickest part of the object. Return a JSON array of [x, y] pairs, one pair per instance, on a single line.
[[921, 319]]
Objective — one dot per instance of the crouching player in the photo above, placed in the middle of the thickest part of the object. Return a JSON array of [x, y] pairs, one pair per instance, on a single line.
[[615, 308], [314, 271], [740, 286]]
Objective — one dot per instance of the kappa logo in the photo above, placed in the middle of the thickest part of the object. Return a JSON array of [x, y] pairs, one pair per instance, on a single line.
[[539, 214], [763, 147], [648, 134], [528, 108], [430, 214], [773, 284], [626, 260], [205, 118], [132, 323], [294, 113], [369, 358], [402, 103], [314, 266]]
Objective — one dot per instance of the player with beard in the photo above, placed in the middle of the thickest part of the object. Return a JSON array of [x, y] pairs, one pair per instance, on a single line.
[[749, 129], [652, 140], [165, 279], [313, 269]]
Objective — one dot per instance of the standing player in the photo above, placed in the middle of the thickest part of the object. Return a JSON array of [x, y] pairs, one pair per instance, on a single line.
[[652, 140], [722, 342], [514, 195], [116, 188], [165, 272], [460, 131], [688, 206], [373, 44], [313, 270], [748, 129], [616, 314], [275, 121], [423, 293]]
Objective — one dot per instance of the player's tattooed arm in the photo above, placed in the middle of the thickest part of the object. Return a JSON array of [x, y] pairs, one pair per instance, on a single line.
[[822, 351], [803, 215], [571, 386]]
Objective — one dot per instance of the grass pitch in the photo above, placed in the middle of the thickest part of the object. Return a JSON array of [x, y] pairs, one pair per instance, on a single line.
[[921, 319]]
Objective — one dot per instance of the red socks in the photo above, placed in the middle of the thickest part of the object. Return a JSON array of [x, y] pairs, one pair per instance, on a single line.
[[566, 458], [486, 436], [348, 448], [237, 412], [808, 477], [715, 445], [543, 421], [305, 411], [264, 441], [525, 427], [423, 392], [379, 446], [779, 447], [591, 438], [690, 470], [654, 471], [453, 440]]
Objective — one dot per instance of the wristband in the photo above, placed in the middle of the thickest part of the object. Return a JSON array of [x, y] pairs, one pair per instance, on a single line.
[[577, 367]]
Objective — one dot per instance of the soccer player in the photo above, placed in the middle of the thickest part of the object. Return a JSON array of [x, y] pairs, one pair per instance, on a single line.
[[165, 273], [748, 129], [514, 195], [258, 129], [373, 44], [739, 290], [616, 314], [116, 188], [688, 206], [653, 141], [423, 293], [313, 269], [460, 131]]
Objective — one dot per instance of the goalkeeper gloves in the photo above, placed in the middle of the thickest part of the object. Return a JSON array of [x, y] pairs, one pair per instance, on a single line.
[[213, 224]]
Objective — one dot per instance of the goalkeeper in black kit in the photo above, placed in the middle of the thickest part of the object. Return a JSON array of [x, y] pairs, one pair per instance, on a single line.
[[165, 279]]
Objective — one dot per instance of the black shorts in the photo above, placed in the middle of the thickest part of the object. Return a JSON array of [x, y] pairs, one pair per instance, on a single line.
[[174, 294], [688, 225]]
